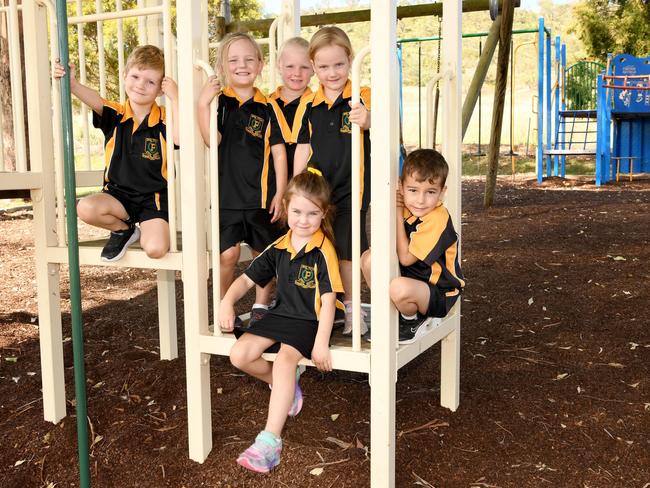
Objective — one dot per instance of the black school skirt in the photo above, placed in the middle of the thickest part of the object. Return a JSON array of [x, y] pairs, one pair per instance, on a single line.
[[300, 334]]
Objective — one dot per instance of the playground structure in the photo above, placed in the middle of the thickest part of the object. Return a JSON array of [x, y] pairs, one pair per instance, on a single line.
[[580, 106], [43, 176]]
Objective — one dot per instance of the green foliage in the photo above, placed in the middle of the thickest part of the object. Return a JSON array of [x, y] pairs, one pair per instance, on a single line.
[[240, 9], [613, 27]]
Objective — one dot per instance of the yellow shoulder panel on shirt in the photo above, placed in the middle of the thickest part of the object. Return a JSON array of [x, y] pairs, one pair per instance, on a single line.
[[428, 232], [365, 96], [329, 253]]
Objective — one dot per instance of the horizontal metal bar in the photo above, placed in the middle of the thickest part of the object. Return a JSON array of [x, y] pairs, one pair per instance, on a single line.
[[123, 14]]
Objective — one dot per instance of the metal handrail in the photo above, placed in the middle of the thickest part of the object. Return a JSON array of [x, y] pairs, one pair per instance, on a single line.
[[356, 203], [213, 180]]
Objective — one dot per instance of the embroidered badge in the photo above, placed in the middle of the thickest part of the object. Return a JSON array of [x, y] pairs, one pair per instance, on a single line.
[[254, 126], [151, 150], [346, 125], [306, 277]]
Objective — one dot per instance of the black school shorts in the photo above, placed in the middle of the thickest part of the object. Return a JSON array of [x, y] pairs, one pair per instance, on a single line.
[[342, 227], [439, 302], [253, 227], [141, 207]]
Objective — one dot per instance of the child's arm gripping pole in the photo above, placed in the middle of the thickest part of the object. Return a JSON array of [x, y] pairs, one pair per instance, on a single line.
[[356, 203], [213, 165]]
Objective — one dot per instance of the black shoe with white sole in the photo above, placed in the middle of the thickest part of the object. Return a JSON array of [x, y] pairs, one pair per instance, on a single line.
[[410, 330], [119, 242]]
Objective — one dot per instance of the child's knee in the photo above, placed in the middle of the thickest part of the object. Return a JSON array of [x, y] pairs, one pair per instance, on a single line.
[[86, 210], [155, 250], [398, 290], [238, 357], [365, 260], [230, 257]]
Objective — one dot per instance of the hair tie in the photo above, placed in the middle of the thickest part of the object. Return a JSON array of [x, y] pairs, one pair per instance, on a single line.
[[314, 170]]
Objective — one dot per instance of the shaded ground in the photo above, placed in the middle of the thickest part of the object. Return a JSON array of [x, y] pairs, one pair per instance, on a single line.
[[554, 379]]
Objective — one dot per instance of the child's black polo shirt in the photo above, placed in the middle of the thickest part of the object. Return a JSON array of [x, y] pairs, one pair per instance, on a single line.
[[285, 112], [433, 240], [136, 157], [326, 126], [248, 129], [303, 276]]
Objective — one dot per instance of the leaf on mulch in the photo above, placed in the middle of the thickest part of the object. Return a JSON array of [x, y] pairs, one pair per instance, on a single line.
[[433, 424], [421, 482], [560, 376], [317, 471], [633, 345], [339, 442], [530, 301], [18, 463], [334, 416], [616, 365]]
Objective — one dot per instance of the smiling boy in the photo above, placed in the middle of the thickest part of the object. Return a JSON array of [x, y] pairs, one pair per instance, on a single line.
[[427, 246], [135, 175]]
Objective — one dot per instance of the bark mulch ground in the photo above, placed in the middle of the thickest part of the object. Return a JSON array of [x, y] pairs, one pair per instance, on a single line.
[[555, 387]]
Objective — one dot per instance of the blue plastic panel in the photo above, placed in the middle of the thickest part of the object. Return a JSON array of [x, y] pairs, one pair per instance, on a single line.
[[630, 101]]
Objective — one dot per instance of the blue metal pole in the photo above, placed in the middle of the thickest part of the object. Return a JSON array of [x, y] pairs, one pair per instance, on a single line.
[[540, 101], [73, 251], [556, 109], [548, 102], [563, 108], [601, 169]]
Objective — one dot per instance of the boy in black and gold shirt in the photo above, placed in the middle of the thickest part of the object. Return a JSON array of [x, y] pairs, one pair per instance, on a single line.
[[427, 246], [135, 175]]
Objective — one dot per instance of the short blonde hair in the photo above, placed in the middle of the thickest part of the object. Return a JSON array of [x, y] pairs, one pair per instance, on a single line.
[[295, 42], [224, 46], [330, 36], [146, 57]]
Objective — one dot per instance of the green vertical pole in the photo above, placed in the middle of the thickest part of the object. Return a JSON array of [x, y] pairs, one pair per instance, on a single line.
[[73, 251]]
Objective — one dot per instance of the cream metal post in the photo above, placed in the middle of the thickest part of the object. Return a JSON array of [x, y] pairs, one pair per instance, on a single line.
[[142, 25], [451, 148], [431, 144], [100, 46], [120, 47], [274, 42], [16, 75], [39, 113], [213, 178], [291, 14], [356, 203], [81, 76], [195, 272], [2, 148], [385, 157], [169, 124], [58, 134]]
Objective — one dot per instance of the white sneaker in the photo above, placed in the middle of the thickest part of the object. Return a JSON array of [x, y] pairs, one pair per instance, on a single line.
[[347, 328]]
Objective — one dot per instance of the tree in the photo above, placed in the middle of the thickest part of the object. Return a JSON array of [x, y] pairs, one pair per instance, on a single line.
[[621, 26]]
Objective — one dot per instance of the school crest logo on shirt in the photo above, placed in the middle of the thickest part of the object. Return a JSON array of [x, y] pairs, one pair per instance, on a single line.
[[151, 149], [255, 124], [306, 277], [346, 125]]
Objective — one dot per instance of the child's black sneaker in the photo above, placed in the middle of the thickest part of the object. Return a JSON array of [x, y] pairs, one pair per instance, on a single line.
[[410, 330], [119, 242]]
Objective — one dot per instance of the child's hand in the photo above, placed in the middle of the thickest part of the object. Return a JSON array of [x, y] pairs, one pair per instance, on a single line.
[[399, 199], [59, 71], [169, 88], [275, 209], [211, 89], [321, 357], [226, 316], [360, 115]]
